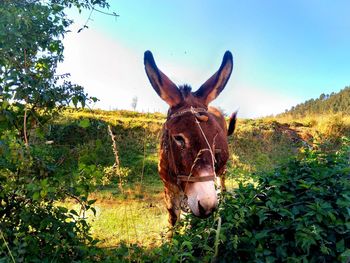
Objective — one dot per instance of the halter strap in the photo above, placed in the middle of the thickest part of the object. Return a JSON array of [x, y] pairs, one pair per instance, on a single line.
[[182, 112], [186, 178]]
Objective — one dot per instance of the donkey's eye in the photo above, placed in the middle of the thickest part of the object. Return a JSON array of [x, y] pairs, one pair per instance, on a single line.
[[180, 140]]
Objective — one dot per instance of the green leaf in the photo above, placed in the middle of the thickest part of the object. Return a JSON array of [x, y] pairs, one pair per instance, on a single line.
[[90, 202], [261, 234], [340, 246], [84, 123], [345, 256], [187, 244], [73, 212], [36, 196], [93, 210], [43, 193]]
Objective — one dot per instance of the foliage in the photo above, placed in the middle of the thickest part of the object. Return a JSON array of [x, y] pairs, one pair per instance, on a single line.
[[33, 227], [298, 213], [137, 142], [30, 48], [325, 104], [300, 210]]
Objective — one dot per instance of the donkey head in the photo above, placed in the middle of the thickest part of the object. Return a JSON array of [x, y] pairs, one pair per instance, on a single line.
[[194, 138]]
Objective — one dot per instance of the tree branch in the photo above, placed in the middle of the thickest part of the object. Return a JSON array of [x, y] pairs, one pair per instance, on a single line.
[[114, 14]]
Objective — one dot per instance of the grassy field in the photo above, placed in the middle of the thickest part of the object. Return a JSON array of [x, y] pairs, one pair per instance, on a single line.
[[139, 221], [136, 216], [129, 206]]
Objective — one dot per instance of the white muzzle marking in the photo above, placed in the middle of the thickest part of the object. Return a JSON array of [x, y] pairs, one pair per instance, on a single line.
[[202, 198]]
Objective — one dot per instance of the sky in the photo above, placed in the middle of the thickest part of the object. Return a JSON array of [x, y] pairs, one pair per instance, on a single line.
[[285, 52]]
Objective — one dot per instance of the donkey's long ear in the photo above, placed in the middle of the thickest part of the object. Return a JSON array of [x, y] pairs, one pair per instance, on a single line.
[[214, 85], [165, 88]]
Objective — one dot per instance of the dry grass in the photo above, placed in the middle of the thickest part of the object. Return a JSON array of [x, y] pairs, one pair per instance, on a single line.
[[317, 127], [132, 217], [138, 215], [142, 222], [127, 118]]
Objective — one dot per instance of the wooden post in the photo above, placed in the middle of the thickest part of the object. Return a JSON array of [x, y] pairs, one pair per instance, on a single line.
[[114, 145]]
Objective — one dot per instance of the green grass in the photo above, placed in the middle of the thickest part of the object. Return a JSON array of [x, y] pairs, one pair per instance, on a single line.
[[136, 216], [133, 221], [135, 213]]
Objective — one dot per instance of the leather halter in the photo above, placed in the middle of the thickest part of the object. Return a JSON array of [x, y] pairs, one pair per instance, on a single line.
[[189, 178], [182, 112]]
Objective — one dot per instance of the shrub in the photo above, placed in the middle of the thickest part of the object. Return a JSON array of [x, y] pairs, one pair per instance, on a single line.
[[297, 213], [33, 227]]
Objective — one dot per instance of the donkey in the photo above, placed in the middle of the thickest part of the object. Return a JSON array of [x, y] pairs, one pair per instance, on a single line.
[[194, 147]]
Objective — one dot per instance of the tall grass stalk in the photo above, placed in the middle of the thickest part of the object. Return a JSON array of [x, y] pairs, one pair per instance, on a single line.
[[144, 158], [3, 238], [217, 239]]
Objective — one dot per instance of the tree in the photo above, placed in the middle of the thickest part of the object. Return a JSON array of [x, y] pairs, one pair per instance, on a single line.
[[134, 103], [31, 47], [333, 103], [32, 227]]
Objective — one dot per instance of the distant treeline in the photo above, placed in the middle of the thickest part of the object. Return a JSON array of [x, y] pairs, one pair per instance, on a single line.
[[334, 103]]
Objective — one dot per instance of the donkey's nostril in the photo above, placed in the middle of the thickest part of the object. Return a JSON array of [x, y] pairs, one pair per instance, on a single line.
[[203, 212]]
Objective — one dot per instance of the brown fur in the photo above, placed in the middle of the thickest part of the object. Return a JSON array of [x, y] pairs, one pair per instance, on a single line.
[[184, 143], [169, 166]]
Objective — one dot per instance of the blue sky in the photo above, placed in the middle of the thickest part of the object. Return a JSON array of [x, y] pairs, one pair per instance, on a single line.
[[285, 52]]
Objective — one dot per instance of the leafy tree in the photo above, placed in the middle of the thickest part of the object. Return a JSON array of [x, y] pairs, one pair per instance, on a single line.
[[31, 47], [333, 103], [32, 226]]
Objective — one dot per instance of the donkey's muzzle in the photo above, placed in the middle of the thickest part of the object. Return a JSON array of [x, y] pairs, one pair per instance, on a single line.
[[202, 198]]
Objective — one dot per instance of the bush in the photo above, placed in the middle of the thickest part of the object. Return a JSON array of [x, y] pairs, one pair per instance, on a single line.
[[33, 227], [297, 213]]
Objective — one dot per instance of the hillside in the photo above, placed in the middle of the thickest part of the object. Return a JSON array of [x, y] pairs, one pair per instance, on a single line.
[[81, 141], [256, 145], [326, 104], [129, 217]]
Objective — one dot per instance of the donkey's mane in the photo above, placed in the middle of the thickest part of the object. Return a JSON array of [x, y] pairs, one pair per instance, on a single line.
[[185, 90]]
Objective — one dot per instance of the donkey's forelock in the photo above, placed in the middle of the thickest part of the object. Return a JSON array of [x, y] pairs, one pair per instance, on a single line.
[[185, 90]]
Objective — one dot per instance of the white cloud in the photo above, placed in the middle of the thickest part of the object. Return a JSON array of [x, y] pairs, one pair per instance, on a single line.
[[107, 70], [254, 102], [115, 74]]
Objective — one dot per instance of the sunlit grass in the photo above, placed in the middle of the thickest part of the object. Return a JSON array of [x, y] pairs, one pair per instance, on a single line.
[[136, 214], [143, 222], [128, 118], [322, 123], [134, 220]]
